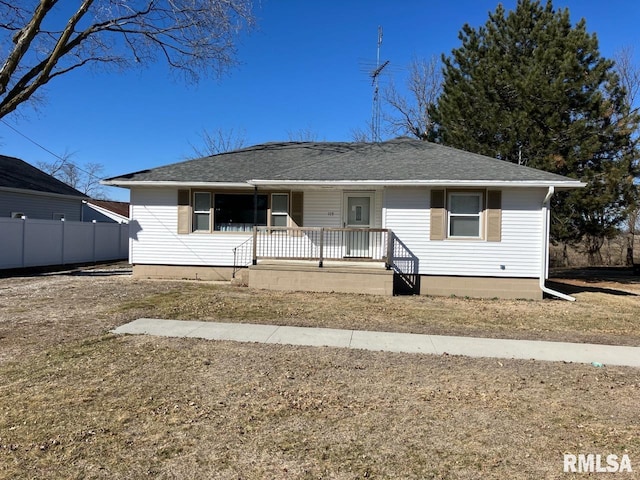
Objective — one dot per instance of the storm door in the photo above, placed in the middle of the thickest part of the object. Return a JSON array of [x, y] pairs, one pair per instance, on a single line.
[[357, 216]]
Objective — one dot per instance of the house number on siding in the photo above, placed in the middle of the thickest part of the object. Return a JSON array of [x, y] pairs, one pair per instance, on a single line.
[[330, 214]]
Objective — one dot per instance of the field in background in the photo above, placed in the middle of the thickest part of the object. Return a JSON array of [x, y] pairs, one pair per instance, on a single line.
[[613, 253]]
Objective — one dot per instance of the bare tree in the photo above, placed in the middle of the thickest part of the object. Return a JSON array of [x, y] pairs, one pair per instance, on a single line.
[[306, 134], [85, 178], [412, 115], [361, 135], [192, 36], [629, 74], [219, 141]]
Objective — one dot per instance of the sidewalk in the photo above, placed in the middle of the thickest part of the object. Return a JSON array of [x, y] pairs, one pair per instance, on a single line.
[[387, 341]]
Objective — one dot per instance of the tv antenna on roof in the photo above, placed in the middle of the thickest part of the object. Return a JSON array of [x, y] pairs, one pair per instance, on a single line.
[[375, 110]]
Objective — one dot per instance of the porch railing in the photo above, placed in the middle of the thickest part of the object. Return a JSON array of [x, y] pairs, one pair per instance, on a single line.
[[320, 244]]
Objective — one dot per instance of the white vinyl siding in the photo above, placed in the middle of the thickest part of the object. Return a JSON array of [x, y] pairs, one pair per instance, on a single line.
[[324, 208], [155, 241], [154, 237], [518, 253]]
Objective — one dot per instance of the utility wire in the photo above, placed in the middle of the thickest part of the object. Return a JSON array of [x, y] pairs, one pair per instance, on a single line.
[[63, 160]]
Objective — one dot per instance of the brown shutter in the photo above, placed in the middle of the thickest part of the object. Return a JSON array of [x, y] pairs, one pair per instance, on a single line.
[[184, 211], [297, 209], [494, 216], [438, 215]]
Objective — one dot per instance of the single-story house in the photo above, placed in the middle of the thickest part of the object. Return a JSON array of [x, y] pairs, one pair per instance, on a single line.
[[108, 211], [26, 191], [401, 215]]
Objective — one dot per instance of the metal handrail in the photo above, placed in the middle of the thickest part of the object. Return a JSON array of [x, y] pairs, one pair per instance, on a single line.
[[242, 255]]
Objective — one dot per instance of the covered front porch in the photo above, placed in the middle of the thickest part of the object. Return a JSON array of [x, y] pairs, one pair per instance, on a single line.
[[323, 259]]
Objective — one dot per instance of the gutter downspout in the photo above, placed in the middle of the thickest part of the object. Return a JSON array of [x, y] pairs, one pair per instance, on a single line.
[[544, 261]]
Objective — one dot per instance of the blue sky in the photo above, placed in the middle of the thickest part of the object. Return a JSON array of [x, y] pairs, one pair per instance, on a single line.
[[304, 67]]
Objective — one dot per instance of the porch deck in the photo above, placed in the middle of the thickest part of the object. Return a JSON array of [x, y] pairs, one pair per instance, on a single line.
[[353, 260]]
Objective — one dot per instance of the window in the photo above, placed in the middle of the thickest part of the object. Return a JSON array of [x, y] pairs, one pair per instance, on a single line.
[[236, 212], [201, 211], [465, 210], [279, 209]]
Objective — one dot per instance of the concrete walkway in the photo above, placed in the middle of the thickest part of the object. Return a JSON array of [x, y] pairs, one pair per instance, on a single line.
[[390, 342]]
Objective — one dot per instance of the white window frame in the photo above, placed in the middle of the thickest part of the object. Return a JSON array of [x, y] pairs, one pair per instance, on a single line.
[[280, 213], [450, 214], [201, 212]]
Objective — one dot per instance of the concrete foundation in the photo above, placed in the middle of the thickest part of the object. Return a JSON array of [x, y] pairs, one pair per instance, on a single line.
[[182, 272], [345, 278], [481, 287]]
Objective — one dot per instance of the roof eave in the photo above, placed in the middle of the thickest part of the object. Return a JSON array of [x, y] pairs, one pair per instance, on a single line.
[[420, 183], [348, 183], [164, 183], [40, 193]]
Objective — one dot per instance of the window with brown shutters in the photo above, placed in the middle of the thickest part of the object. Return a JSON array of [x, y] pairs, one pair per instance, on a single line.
[[466, 214]]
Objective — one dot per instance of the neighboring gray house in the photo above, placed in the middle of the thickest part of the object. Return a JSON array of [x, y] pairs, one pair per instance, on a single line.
[[28, 191], [353, 217]]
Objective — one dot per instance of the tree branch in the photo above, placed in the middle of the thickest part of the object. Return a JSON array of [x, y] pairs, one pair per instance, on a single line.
[[22, 41]]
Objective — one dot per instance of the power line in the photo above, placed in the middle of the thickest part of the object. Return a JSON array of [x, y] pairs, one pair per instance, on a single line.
[[63, 160], [32, 141]]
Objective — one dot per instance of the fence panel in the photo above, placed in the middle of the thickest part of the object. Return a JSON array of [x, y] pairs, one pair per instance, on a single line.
[[11, 243], [42, 242], [78, 243], [33, 243]]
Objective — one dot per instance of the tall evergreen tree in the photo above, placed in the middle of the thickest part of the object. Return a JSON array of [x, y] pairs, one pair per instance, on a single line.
[[529, 87]]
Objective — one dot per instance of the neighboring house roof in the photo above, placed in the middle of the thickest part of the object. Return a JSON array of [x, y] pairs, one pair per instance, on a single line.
[[100, 210], [16, 174], [401, 161], [119, 208]]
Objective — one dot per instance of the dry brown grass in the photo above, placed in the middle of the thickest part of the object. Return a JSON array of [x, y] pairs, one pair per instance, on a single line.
[[599, 316], [77, 402]]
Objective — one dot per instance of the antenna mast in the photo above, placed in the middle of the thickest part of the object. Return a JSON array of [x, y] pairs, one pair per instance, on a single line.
[[375, 110]]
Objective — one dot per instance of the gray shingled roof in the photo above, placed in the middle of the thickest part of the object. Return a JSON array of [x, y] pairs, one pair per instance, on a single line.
[[16, 173], [401, 160]]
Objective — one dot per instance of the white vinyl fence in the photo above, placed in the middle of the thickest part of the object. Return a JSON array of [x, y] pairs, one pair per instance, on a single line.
[[35, 243]]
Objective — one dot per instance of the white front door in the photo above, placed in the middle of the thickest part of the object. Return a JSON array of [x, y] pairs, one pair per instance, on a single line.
[[357, 214]]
